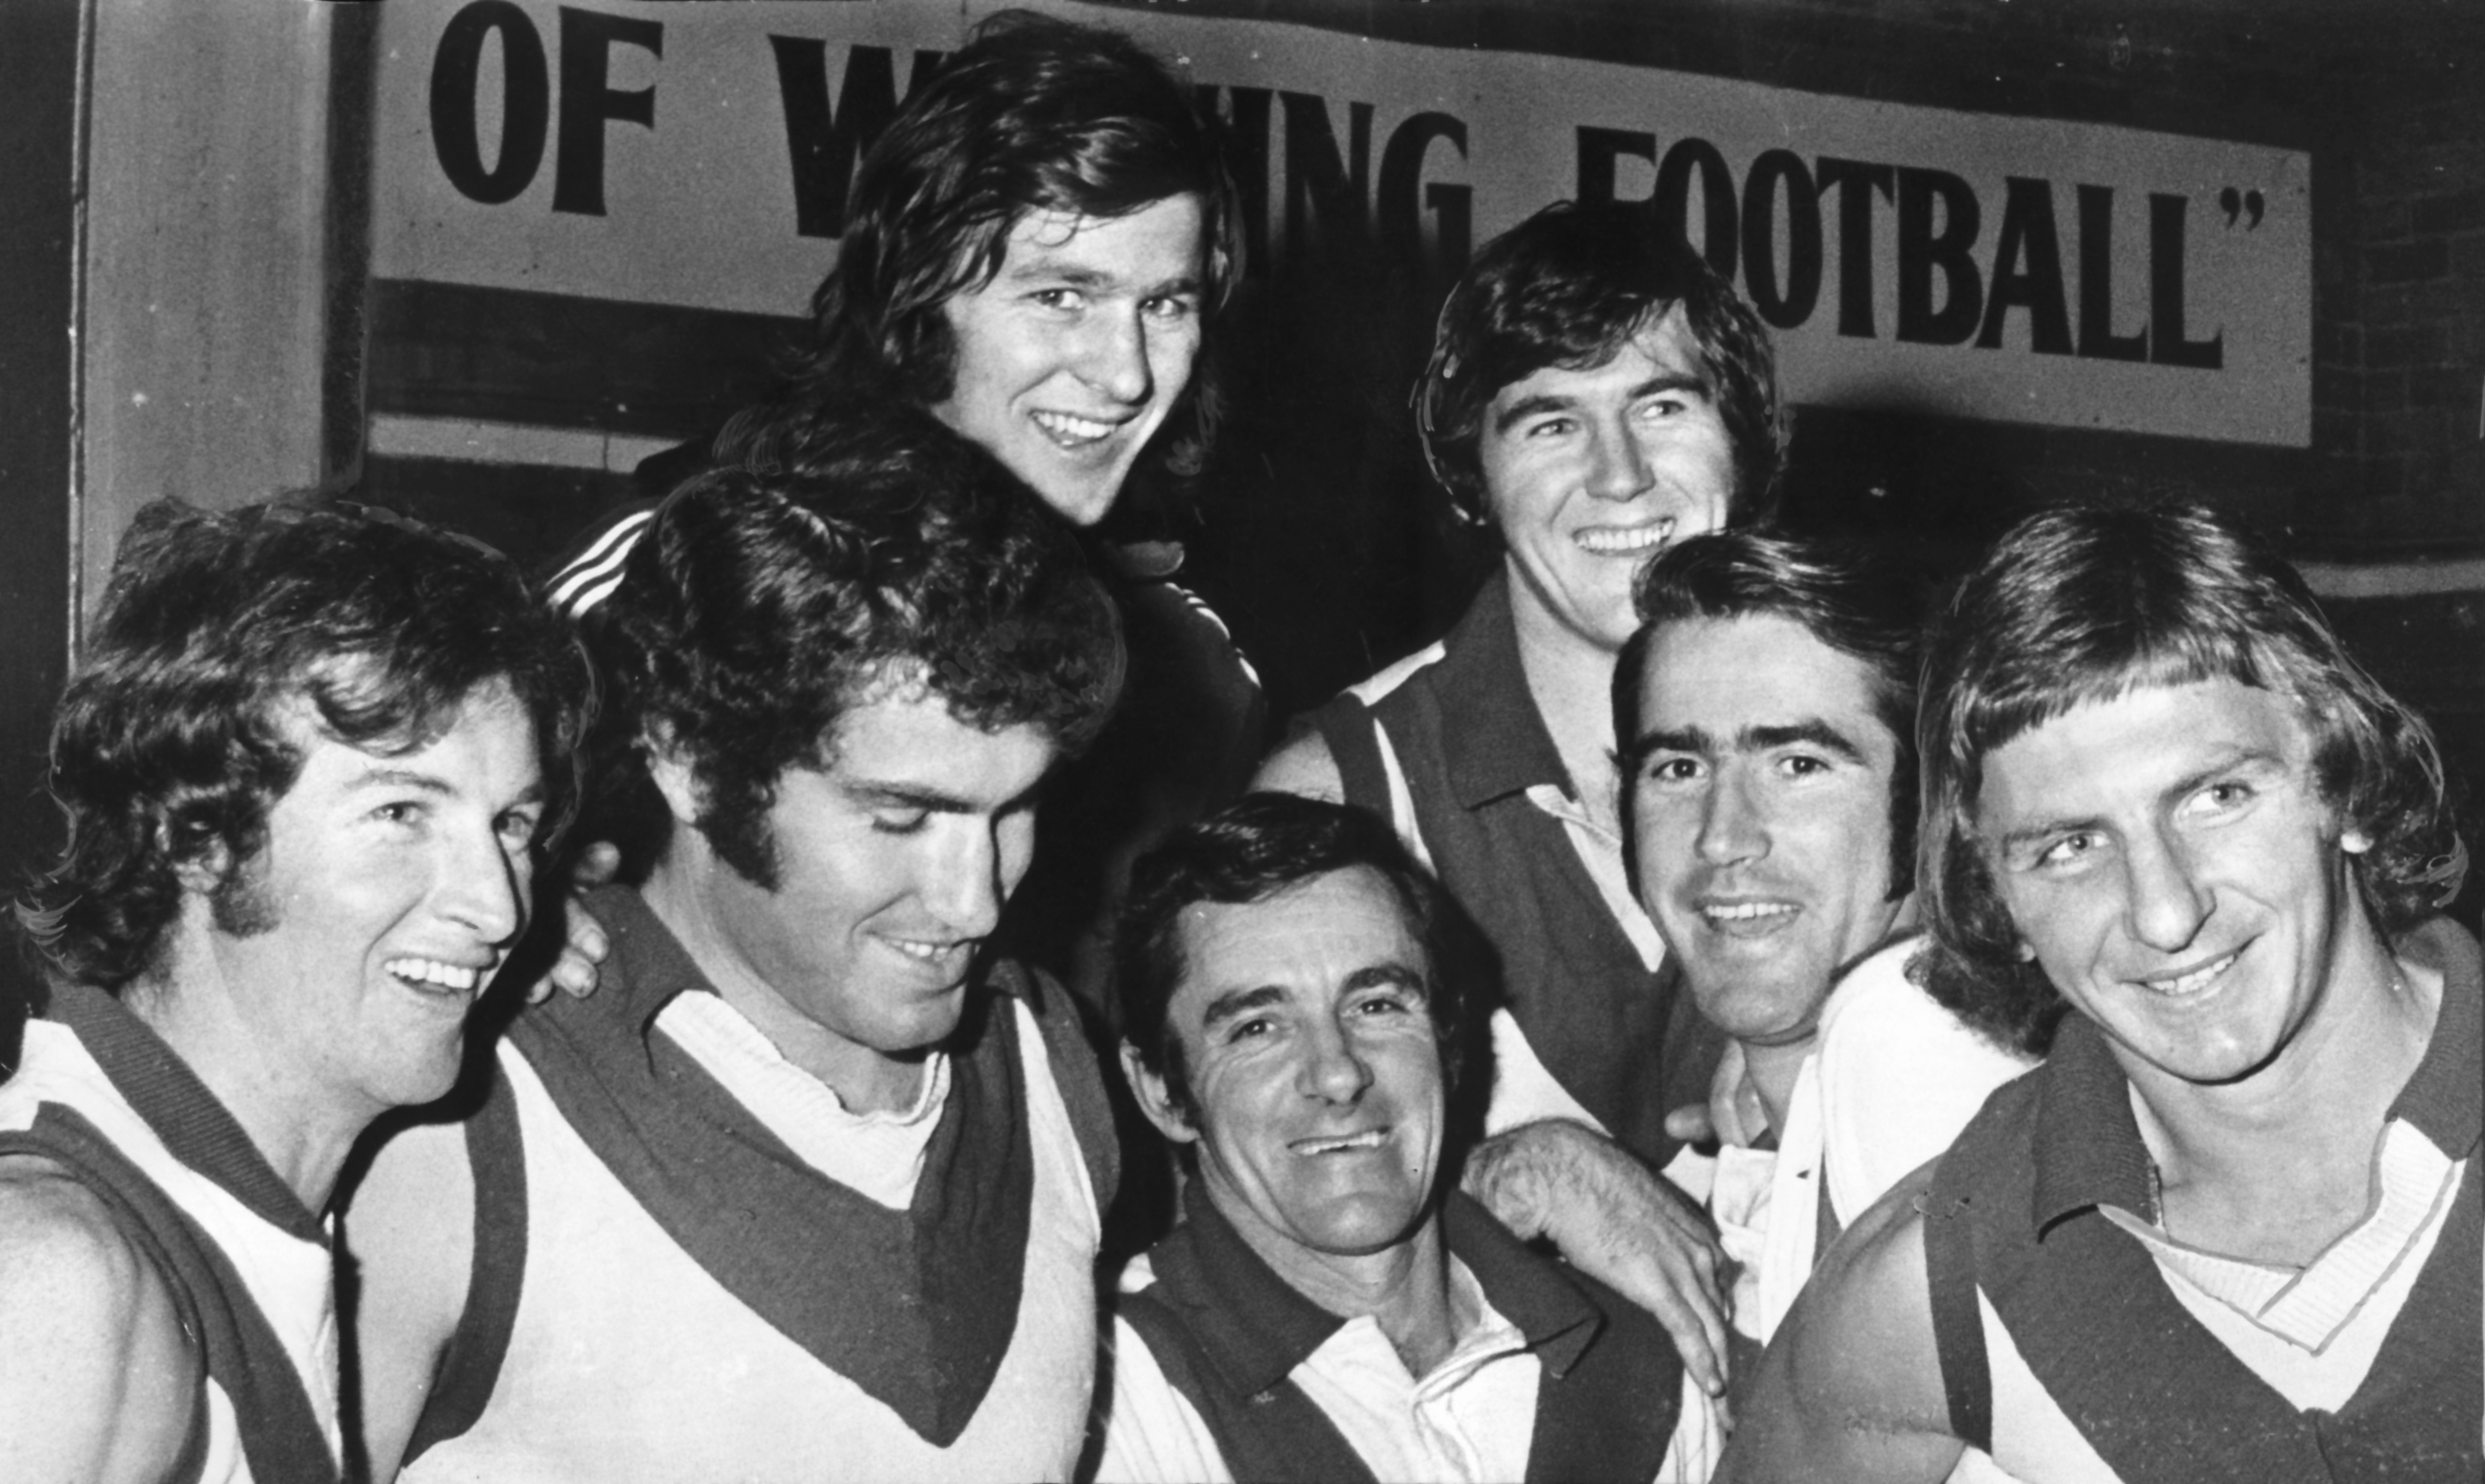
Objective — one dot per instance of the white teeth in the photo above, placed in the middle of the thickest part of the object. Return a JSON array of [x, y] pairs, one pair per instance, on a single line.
[[1066, 429], [928, 952], [1745, 911], [434, 972], [1363, 1141], [1611, 542], [2197, 979]]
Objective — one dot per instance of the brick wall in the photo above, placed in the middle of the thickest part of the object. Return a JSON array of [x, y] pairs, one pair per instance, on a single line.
[[2402, 316]]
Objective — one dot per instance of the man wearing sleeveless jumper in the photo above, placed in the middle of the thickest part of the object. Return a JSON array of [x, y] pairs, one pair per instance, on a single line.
[[1595, 394], [2230, 1229], [1329, 1311], [307, 763], [808, 1189]]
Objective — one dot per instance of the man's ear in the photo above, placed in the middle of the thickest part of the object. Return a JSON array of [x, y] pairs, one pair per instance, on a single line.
[[1155, 1100], [671, 774]]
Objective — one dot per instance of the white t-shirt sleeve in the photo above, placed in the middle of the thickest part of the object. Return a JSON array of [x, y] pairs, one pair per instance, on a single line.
[[1900, 1077]]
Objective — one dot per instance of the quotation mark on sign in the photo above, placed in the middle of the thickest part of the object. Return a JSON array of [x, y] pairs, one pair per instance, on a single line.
[[2249, 203]]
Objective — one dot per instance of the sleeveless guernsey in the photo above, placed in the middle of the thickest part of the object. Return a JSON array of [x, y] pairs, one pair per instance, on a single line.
[[250, 1270], [2085, 1355], [663, 1290]]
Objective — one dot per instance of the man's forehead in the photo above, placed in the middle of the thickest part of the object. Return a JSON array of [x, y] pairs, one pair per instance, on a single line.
[[1051, 238], [1326, 926], [2152, 725], [1660, 347], [1751, 669]]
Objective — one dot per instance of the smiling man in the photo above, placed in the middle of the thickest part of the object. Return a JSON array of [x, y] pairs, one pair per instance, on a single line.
[[1330, 1309], [307, 764], [2230, 1229], [810, 1188], [1034, 251], [1768, 710], [1594, 392]]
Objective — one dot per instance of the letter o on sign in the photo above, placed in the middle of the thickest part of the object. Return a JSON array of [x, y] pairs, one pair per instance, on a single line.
[[526, 101]]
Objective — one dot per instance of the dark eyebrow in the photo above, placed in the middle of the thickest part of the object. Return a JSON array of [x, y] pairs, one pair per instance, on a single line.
[[1528, 407], [1233, 1004], [1544, 402], [1812, 729], [1703, 743], [2191, 782], [1390, 973], [1690, 738], [403, 778], [908, 795]]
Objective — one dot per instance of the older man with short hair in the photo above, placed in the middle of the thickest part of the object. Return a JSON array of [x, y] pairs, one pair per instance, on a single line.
[[1332, 1308]]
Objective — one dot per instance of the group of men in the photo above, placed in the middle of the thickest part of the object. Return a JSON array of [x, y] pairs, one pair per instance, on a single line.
[[1608, 921]]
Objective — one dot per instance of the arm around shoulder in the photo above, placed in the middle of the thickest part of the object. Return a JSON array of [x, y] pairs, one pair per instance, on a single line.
[[1850, 1389], [97, 1381], [409, 1229], [1303, 764]]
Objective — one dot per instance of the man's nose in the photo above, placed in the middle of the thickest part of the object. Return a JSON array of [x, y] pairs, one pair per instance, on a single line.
[[1619, 467], [1333, 1070], [961, 879], [2167, 902], [483, 889], [1113, 356], [1732, 827]]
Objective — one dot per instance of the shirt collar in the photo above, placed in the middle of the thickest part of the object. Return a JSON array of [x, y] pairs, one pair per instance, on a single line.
[[1499, 747], [198, 1130], [1256, 1329], [2089, 1150]]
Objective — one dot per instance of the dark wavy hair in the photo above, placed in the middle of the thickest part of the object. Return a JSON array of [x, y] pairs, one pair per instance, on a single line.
[[1250, 850], [759, 604], [2085, 604], [1854, 599], [1033, 114], [170, 743], [1568, 288]]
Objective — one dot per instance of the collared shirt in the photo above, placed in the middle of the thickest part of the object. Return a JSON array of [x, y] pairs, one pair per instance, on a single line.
[[1472, 1417], [1892, 1080]]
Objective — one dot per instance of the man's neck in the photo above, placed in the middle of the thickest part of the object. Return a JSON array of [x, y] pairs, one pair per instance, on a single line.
[[1570, 677], [303, 1132], [1404, 1288], [2278, 1165], [1773, 1070], [865, 1080]]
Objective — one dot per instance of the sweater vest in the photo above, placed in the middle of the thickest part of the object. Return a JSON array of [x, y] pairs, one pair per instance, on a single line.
[[2079, 1311], [254, 1293], [1605, 1410], [621, 1356], [1624, 1040]]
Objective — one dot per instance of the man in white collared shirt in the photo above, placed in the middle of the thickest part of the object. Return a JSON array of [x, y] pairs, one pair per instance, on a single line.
[[1768, 774], [1330, 1309]]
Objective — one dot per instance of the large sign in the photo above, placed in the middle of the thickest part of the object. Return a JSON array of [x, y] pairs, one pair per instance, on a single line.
[[2007, 268]]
